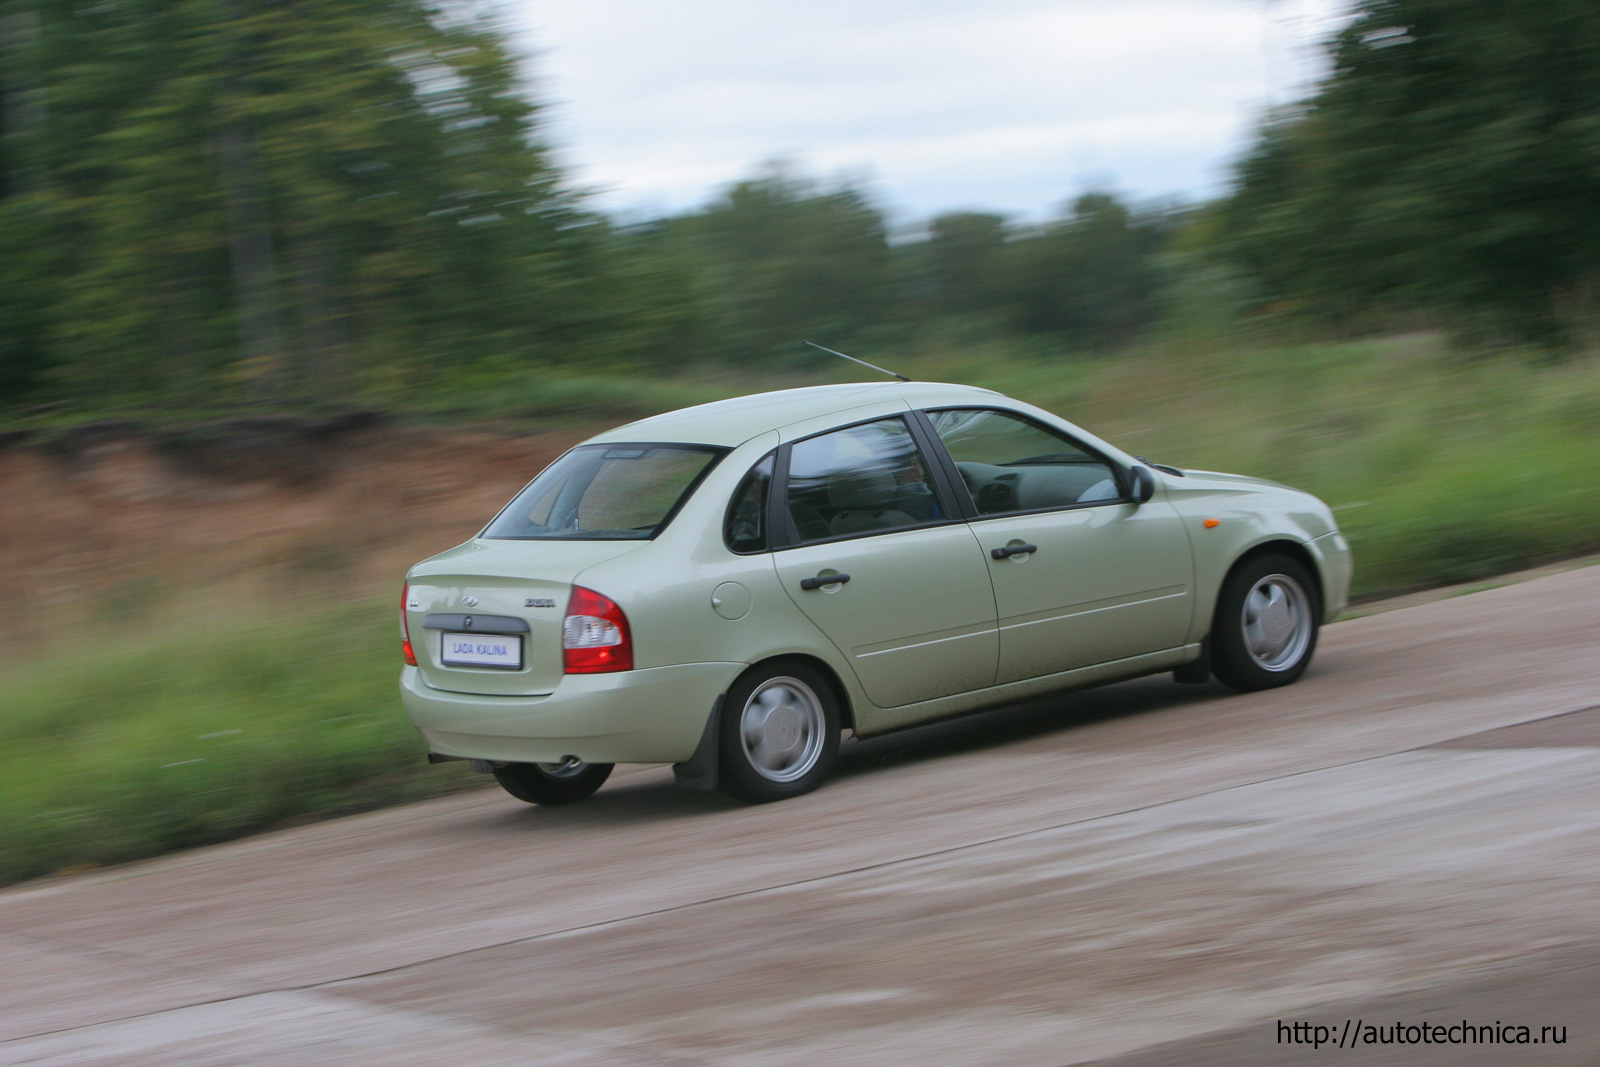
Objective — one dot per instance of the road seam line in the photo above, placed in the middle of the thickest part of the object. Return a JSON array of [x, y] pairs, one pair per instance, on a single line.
[[743, 893]]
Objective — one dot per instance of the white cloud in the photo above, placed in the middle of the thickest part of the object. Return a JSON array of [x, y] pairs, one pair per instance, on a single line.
[[1012, 105]]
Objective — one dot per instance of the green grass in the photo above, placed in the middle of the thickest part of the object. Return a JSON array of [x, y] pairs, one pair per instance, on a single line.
[[135, 746]]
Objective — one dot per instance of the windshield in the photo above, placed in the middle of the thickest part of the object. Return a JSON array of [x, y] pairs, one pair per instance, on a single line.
[[605, 493]]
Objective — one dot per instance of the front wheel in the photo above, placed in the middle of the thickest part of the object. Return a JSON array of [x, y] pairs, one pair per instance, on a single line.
[[552, 783], [1265, 628], [779, 732]]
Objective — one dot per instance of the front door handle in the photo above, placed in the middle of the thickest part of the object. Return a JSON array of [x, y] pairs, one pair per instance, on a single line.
[[823, 579], [1012, 550]]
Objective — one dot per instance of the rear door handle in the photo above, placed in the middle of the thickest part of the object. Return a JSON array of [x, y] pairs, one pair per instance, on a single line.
[[1012, 550], [823, 579]]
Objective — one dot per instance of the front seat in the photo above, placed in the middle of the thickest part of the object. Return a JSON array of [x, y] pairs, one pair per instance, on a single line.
[[863, 501]]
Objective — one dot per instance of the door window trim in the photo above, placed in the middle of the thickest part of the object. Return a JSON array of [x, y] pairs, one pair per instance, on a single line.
[[783, 534], [970, 507]]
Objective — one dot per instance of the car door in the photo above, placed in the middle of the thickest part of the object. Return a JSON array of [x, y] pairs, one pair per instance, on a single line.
[[1082, 575], [910, 605]]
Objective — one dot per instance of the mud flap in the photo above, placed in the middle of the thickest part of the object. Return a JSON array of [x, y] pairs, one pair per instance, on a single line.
[[699, 771], [1198, 672]]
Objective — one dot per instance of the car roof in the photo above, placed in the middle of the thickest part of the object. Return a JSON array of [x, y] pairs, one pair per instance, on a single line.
[[733, 422]]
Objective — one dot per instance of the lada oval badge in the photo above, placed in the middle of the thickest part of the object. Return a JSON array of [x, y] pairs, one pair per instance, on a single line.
[[470, 601]]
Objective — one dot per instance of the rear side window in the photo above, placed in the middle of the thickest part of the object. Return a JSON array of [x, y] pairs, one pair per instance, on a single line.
[[746, 526], [862, 479], [605, 493], [1011, 464]]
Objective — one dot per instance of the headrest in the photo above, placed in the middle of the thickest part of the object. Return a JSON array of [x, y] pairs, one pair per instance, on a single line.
[[861, 490]]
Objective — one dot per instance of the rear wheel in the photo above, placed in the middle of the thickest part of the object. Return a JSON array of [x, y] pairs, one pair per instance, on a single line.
[[779, 732], [552, 783], [1266, 624]]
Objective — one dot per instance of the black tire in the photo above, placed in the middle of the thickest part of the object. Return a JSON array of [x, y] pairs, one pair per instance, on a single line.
[[786, 757], [531, 782], [1244, 658]]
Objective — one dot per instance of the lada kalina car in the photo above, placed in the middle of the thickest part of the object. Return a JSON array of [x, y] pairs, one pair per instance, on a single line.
[[728, 587]]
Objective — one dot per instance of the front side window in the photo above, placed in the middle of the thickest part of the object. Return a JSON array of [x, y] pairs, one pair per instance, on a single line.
[[605, 493], [862, 479], [1012, 464]]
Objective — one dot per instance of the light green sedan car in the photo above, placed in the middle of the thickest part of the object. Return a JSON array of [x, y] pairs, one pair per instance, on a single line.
[[728, 587]]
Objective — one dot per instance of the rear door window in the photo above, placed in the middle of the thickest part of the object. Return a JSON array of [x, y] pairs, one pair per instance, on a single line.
[[859, 480]]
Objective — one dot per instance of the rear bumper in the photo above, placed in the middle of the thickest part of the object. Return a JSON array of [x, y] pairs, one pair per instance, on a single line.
[[653, 715]]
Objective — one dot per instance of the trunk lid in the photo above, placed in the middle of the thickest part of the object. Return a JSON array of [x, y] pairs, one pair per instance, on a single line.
[[509, 584]]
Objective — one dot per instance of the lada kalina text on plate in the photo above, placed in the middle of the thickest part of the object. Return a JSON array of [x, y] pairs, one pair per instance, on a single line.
[[729, 586]]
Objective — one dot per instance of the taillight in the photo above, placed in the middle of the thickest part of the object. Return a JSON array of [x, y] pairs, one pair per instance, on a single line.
[[405, 628], [594, 635]]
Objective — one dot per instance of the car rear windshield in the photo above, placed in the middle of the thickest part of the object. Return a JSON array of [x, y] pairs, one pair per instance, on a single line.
[[605, 493]]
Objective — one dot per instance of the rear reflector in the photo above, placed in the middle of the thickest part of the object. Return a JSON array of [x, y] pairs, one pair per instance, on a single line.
[[594, 635], [405, 628]]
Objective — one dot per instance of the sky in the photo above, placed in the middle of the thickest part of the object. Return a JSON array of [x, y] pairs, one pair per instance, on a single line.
[[1014, 106]]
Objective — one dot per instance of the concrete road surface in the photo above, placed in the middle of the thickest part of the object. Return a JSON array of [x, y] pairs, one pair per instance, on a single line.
[[1144, 874]]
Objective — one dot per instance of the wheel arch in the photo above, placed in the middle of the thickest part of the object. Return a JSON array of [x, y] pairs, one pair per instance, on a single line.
[[1294, 550], [841, 694]]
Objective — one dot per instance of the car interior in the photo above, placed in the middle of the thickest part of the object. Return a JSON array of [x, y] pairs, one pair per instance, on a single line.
[[1011, 464], [1037, 484], [872, 477]]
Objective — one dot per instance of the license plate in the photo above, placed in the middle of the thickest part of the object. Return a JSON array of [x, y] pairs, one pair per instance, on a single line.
[[482, 650]]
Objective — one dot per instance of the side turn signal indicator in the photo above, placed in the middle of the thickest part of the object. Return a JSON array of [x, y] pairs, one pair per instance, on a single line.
[[1211, 523]]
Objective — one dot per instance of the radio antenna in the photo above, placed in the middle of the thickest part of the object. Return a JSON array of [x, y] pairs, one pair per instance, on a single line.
[[863, 362]]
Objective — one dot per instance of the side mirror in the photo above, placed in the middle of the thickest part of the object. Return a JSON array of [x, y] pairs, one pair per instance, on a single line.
[[1144, 483]]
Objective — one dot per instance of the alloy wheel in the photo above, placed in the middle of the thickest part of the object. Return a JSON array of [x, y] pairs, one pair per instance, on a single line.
[[782, 728]]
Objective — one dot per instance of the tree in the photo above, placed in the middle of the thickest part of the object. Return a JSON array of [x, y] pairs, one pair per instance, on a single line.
[[1090, 276], [251, 197], [789, 261], [961, 261], [26, 257], [1451, 160]]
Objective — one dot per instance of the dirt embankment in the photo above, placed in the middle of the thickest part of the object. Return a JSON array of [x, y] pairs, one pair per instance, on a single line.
[[108, 516]]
